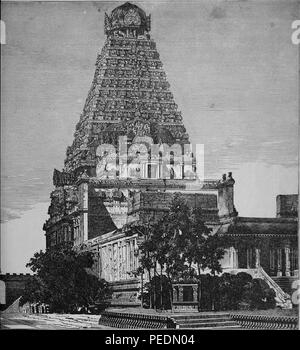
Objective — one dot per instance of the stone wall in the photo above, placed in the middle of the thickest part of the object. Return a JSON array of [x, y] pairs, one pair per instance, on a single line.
[[287, 205], [155, 202], [14, 286]]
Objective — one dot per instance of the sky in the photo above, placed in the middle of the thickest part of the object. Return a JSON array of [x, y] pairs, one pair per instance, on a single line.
[[233, 71]]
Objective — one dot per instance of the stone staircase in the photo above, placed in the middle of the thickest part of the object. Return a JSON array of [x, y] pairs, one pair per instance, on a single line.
[[285, 283], [205, 321]]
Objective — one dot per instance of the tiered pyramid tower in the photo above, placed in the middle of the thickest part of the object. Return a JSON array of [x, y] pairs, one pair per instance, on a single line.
[[90, 206], [129, 95]]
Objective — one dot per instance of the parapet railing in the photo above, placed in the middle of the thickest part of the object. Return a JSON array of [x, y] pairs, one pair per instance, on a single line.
[[266, 322], [129, 320]]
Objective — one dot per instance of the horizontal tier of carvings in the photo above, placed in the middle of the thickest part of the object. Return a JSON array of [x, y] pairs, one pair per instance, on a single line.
[[149, 183], [129, 79], [144, 94]]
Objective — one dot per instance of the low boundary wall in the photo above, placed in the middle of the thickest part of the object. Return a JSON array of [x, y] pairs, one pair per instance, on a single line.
[[266, 322], [129, 320]]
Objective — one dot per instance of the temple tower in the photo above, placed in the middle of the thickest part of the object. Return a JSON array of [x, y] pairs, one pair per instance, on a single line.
[[129, 94], [130, 98]]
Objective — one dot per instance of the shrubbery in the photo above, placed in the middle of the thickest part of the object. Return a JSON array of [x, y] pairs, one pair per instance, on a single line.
[[218, 293], [160, 292], [65, 282], [232, 292]]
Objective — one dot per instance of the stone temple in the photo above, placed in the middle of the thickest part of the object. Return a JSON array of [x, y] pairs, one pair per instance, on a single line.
[[129, 104]]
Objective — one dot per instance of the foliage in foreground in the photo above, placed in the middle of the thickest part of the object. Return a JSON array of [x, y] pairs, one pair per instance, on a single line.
[[218, 293], [234, 292], [177, 247], [64, 280]]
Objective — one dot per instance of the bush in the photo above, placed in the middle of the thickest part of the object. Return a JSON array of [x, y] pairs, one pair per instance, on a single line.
[[64, 280], [259, 295], [233, 292]]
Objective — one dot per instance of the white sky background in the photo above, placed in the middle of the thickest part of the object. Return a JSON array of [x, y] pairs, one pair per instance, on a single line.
[[233, 71]]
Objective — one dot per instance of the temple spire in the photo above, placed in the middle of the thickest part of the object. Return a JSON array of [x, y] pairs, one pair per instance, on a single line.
[[129, 95], [127, 20]]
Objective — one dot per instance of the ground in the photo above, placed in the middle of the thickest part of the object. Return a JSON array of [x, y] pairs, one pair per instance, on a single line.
[[81, 321], [49, 321]]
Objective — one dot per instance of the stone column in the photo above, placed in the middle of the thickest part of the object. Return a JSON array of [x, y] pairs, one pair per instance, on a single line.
[[118, 260], [195, 293], [111, 262], [85, 196], [279, 262], [130, 255], [249, 260], [122, 260], [134, 254], [230, 252], [180, 288], [106, 263], [287, 261], [272, 261], [174, 294], [257, 257], [293, 260], [127, 258], [236, 258], [99, 261], [137, 256]]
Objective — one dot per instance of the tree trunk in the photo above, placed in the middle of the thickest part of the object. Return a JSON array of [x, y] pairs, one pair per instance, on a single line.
[[199, 288], [150, 294], [161, 288], [142, 288], [213, 293], [171, 291], [155, 301]]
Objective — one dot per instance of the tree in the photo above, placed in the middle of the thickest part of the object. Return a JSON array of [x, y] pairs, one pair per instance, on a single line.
[[180, 244], [233, 292], [193, 244], [64, 280], [147, 248]]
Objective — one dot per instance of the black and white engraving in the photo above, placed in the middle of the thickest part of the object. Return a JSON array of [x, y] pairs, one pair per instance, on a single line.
[[174, 203]]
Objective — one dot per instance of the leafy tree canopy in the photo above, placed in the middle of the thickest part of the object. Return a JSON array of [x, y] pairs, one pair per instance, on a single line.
[[64, 280], [180, 242]]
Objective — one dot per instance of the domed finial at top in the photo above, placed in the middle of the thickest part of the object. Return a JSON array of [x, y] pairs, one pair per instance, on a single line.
[[127, 20]]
